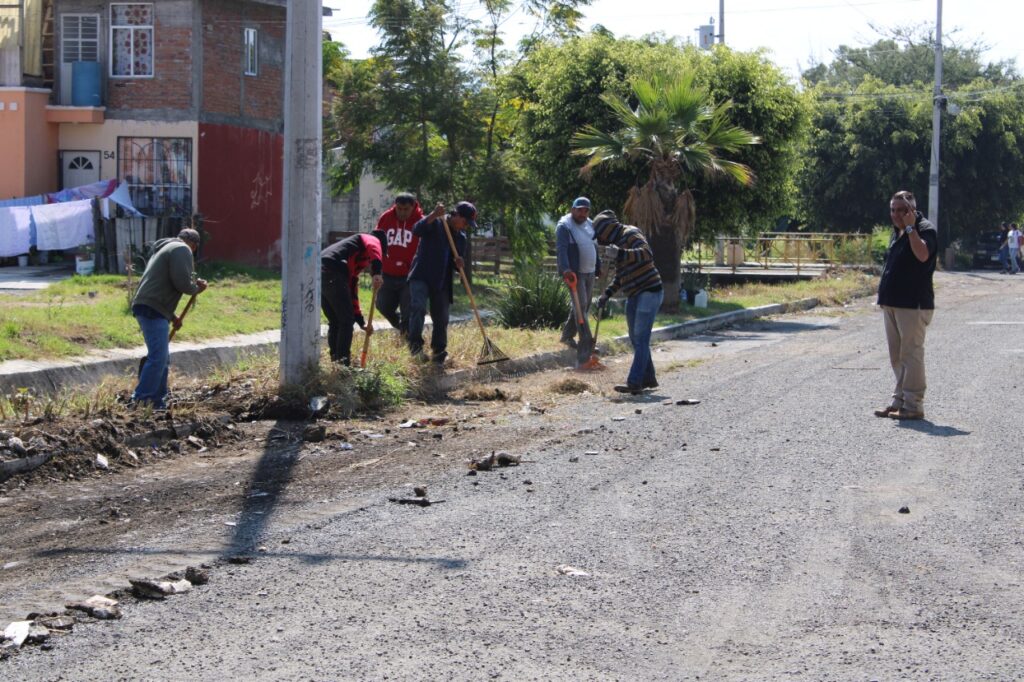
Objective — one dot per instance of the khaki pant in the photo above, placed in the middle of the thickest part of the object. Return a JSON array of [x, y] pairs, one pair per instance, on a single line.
[[904, 331]]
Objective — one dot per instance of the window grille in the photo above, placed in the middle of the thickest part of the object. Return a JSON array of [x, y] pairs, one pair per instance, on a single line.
[[79, 38], [158, 172], [131, 40]]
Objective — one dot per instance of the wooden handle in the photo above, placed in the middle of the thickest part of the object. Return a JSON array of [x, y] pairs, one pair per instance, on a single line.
[[462, 274], [369, 323], [188, 307], [576, 303]]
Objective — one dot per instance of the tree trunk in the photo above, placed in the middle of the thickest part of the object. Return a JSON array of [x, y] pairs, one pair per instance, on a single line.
[[668, 248]]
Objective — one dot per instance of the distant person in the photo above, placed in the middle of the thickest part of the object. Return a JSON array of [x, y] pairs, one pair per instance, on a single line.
[[638, 278], [430, 279], [169, 273], [578, 261], [396, 224], [907, 299], [1004, 251], [340, 266], [1012, 244]]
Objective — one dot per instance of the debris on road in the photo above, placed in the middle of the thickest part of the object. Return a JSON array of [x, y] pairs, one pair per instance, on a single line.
[[102, 462], [483, 463], [318, 404], [415, 501], [144, 588], [59, 623], [195, 442], [591, 453], [574, 459], [314, 433], [904, 510], [688, 401], [365, 463], [17, 632], [507, 460], [420, 491], [197, 576], [566, 569], [618, 419], [97, 606]]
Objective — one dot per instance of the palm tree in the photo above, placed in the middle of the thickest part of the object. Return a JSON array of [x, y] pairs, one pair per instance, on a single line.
[[677, 132]]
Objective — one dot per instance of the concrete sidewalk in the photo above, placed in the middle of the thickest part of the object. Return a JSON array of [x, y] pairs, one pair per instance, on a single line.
[[34, 277]]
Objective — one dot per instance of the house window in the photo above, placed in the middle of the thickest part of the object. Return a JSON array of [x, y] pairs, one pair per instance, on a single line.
[[79, 38], [158, 172], [131, 40], [252, 60]]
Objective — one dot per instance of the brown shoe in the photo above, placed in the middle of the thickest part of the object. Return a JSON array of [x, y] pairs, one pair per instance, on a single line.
[[885, 411], [906, 414]]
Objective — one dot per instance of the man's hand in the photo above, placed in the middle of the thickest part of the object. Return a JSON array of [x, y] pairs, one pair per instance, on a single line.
[[360, 320], [378, 280], [602, 302], [369, 329], [570, 278], [201, 283], [459, 263], [438, 211], [612, 251], [176, 322]]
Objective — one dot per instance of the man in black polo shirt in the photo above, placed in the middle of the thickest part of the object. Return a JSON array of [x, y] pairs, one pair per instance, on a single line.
[[907, 299]]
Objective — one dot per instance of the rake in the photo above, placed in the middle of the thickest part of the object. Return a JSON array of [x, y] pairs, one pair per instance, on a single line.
[[368, 332], [490, 352]]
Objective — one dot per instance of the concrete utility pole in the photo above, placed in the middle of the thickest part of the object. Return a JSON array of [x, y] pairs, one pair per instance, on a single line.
[[933, 173], [300, 238], [721, 22]]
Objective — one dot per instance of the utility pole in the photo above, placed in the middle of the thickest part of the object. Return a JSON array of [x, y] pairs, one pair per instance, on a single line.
[[937, 100], [721, 22], [301, 223]]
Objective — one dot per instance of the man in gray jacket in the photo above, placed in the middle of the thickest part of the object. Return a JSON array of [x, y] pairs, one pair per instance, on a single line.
[[169, 273], [578, 260]]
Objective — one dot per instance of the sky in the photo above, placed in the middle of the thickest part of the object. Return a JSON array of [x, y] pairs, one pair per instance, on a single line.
[[796, 32]]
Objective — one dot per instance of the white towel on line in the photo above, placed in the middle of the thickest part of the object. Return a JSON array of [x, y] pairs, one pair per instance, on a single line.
[[15, 231], [64, 225]]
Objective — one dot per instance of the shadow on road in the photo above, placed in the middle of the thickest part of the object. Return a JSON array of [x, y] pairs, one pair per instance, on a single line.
[[931, 429]]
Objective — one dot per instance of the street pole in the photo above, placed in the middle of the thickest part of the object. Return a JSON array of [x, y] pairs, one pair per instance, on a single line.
[[933, 173], [301, 223], [721, 22]]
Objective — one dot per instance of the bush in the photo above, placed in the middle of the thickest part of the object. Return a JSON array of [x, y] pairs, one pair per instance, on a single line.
[[536, 301], [880, 237]]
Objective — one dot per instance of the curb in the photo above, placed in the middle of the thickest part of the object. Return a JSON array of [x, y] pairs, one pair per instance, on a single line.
[[202, 359]]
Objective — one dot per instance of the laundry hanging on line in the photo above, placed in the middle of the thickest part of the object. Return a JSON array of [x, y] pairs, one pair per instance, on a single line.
[[15, 230], [63, 226]]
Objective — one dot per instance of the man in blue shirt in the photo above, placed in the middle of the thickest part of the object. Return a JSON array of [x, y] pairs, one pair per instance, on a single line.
[[430, 277]]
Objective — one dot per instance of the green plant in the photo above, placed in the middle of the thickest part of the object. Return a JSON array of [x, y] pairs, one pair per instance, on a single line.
[[694, 280], [536, 301], [379, 386], [880, 236]]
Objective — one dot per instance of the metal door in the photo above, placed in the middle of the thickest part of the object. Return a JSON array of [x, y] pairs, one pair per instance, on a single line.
[[79, 168]]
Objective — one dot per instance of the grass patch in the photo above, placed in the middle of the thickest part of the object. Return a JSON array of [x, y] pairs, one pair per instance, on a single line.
[[570, 386]]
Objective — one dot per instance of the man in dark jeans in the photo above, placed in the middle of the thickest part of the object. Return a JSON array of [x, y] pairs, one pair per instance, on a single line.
[[169, 273], [396, 224], [340, 265], [430, 279]]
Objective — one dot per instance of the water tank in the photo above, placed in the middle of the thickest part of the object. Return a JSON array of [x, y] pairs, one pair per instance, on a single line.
[[85, 84]]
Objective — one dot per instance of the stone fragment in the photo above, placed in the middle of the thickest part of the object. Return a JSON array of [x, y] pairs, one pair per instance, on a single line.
[[151, 589], [102, 462], [314, 433], [37, 634], [420, 491], [17, 631], [195, 442], [61, 623], [904, 510], [574, 459], [97, 606], [17, 446], [566, 569], [197, 576]]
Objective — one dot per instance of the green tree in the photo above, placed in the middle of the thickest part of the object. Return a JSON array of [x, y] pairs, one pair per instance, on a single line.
[[676, 132]]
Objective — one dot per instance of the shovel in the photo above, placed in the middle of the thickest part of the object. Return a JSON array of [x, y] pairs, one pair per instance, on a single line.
[[490, 352], [593, 363], [174, 330], [368, 331], [581, 323]]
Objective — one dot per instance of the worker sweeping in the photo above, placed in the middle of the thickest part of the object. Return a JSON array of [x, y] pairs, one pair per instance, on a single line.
[[169, 273], [340, 265], [578, 264]]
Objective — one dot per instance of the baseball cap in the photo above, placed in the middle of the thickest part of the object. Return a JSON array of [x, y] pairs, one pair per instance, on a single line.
[[581, 202], [467, 211]]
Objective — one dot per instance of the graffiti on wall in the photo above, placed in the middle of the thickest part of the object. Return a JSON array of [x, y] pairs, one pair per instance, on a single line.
[[262, 190]]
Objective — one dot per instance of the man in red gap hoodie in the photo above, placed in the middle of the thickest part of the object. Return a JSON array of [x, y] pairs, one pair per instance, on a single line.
[[397, 223], [340, 265]]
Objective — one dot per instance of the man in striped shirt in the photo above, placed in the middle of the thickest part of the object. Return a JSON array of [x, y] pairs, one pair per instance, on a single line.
[[640, 282]]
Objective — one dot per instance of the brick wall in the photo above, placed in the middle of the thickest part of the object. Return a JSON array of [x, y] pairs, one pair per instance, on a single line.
[[227, 92], [171, 84]]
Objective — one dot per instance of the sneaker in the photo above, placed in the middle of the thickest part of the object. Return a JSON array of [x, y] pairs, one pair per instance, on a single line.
[[439, 358], [906, 414], [885, 411], [629, 388]]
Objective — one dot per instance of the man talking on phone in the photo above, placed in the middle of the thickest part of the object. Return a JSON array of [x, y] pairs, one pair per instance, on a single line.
[[907, 299]]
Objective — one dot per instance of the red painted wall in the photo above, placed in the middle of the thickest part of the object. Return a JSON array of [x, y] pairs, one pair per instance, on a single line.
[[240, 192]]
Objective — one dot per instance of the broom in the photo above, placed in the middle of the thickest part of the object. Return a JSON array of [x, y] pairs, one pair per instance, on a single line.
[[490, 352], [368, 332]]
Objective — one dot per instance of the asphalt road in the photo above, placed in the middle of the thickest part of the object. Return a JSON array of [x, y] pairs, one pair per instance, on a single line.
[[754, 536]]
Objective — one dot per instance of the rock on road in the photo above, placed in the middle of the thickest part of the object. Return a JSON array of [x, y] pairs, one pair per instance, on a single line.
[[754, 536]]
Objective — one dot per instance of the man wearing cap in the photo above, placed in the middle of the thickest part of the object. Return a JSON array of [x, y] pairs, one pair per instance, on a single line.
[[639, 280], [169, 273], [430, 278], [578, 262], [396, 225], [340, 265]]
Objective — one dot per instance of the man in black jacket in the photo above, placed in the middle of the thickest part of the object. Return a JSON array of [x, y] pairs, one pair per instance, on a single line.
[[907, 299]]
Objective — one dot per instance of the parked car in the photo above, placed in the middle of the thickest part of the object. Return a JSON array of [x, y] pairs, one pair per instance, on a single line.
[[984, 249]]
